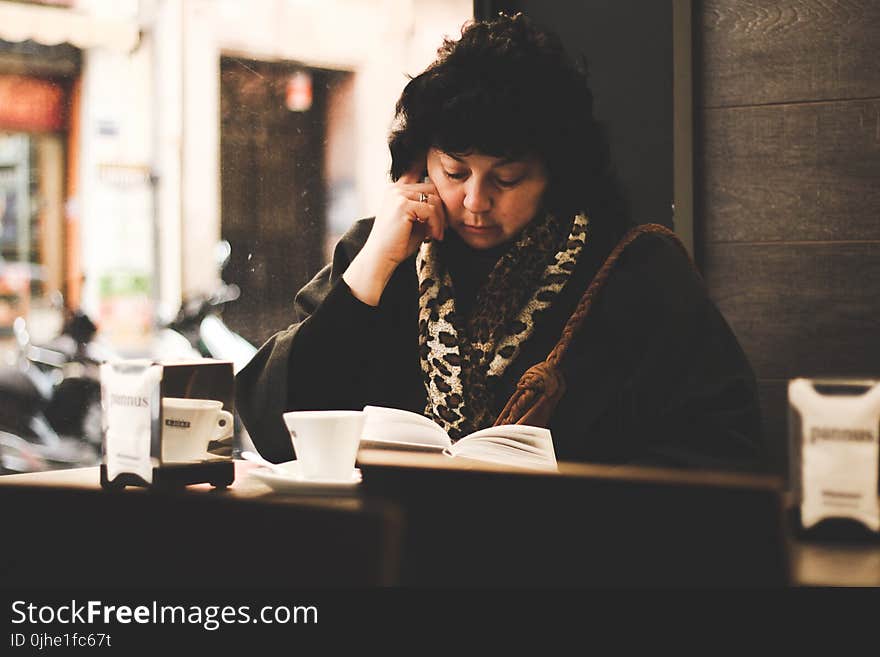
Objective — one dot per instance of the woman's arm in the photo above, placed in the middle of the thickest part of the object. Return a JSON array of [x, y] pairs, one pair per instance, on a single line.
[[330, 358], [670, 384]]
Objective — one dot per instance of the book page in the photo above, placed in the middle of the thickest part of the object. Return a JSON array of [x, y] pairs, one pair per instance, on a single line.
[[389, 426], [519, 445], [509, 443], [505, 455], [523, 434]]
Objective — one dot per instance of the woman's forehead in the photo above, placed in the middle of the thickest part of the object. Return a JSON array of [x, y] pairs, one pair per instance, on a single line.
[[475, 157]]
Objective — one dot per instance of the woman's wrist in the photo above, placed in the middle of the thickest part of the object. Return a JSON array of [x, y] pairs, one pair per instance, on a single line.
[[368, 274]]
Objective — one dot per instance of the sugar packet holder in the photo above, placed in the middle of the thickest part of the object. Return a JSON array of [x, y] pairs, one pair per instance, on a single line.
[[834, 446], [132, 395]]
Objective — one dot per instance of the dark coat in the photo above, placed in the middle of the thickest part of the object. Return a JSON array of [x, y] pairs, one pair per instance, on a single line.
[[654, 376]]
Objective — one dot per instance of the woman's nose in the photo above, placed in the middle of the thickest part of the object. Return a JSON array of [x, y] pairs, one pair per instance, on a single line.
[[477, 198]]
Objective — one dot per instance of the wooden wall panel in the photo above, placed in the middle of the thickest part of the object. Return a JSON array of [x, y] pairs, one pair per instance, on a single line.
[[792, 172], [787, 181], [801, 310], [771, 51]]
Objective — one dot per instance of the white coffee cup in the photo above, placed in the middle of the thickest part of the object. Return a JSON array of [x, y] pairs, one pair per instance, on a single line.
[[188, 427], [326, 442]]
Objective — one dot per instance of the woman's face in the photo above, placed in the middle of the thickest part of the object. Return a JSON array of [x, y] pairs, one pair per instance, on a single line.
[[488, 200]]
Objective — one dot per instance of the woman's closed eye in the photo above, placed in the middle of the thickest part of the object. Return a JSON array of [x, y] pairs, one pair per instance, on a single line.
[[499, 180], [509, 182]]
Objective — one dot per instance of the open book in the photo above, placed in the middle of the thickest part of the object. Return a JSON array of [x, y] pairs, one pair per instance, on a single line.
[[509, 444]]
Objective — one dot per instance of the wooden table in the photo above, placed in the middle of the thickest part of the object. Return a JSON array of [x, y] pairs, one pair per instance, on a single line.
[[419, 519], [62, 529], [811, 561]]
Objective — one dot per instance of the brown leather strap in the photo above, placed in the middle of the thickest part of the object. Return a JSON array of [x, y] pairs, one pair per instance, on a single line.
[[541, 387], [586, 303]]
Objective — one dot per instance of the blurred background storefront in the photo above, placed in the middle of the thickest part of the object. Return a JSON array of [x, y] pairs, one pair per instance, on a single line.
[[136, 134]]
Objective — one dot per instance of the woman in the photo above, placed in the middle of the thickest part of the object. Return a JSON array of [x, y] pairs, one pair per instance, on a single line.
[[502, 209]]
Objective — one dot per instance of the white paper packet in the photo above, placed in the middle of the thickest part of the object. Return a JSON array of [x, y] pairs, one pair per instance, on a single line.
[[836, 449]]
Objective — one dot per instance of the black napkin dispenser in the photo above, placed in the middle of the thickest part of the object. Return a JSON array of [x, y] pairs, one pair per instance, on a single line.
[[167, 424]]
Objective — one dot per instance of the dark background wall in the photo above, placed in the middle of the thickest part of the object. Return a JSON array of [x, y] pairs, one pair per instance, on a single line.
[[628, 49], [786, 170]]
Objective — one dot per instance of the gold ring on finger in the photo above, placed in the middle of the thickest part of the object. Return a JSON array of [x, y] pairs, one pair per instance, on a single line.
[[423, 198]]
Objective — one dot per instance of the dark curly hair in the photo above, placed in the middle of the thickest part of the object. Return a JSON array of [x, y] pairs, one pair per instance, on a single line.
[[508, 89]]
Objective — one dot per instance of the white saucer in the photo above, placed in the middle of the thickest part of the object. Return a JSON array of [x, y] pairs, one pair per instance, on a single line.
[[292, 482]]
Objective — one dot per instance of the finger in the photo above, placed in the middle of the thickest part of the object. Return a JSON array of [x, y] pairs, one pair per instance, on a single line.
[[438, 216], [416, 195], [436, 219], [427, 187], [421, 229], [425, 213]]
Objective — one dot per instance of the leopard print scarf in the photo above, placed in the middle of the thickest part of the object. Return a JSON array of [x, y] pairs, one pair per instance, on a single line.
[[461, 361]]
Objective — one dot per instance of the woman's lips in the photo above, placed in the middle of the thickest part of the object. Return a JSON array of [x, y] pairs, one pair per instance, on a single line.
[[478, 230]]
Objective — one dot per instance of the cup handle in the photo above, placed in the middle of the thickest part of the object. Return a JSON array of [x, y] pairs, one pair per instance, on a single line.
[[224, 428]]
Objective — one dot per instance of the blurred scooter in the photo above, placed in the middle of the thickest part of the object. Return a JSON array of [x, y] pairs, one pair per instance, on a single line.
[[200, 321], [50, 400]]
